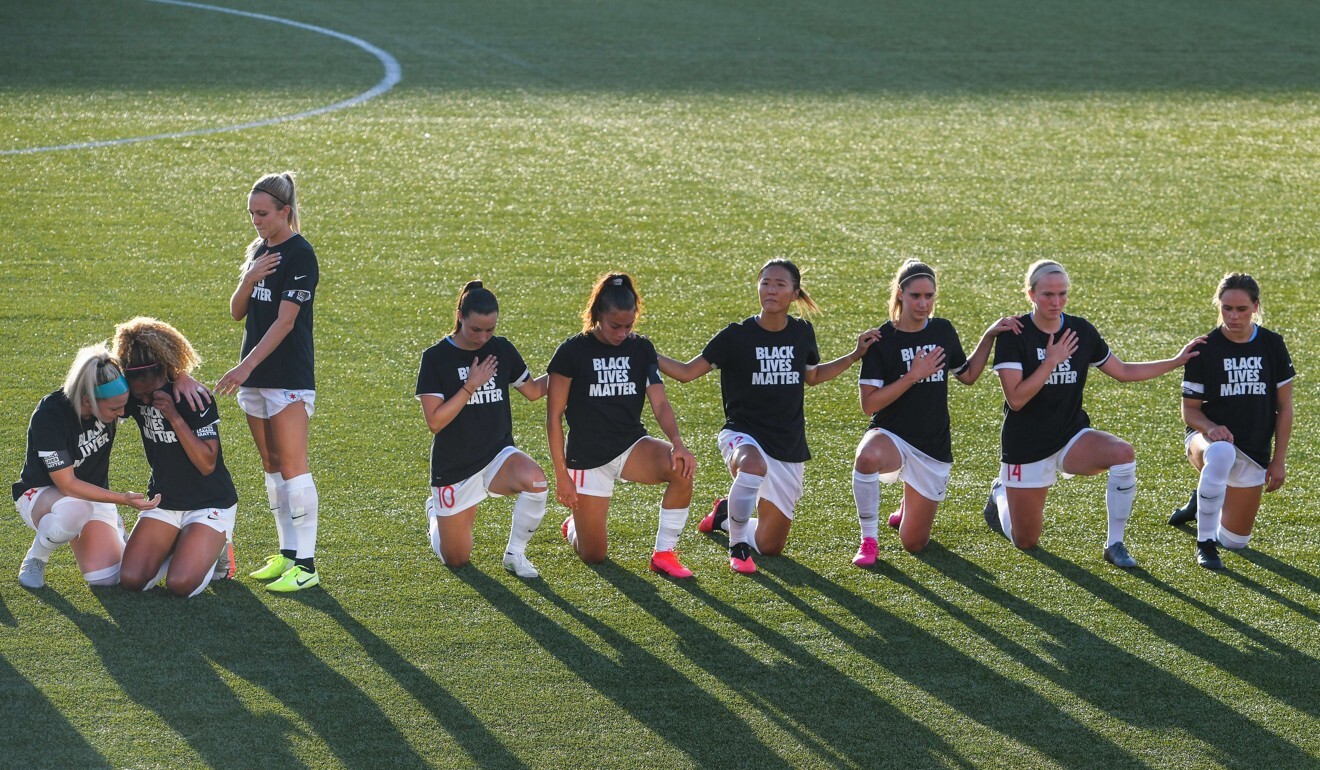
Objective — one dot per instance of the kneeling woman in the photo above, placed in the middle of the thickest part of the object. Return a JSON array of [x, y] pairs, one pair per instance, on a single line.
[[905, 388], [765, 364], [599, 380], [463, 384], [63, 492], [1046, 432], [1237, 396], [181, 538]]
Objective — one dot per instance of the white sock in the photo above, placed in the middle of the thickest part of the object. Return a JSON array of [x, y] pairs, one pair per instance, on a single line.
[[433, 529], [103, 577], [750, 532], [866, 494], [303, 505], [1219, 459], [1231, 541], [671, 525], [742, 503], [572, 533], [279, 509], [1119, 494], [1001, 503], [528, 510], [160, 574], [63, 523]]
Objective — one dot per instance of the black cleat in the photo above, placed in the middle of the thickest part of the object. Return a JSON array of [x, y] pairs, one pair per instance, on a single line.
[[1117, 555], [1207, 554], [1185, 514], [991, 512]]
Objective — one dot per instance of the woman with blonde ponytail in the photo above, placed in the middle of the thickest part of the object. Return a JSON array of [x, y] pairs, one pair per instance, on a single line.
[[275, 381], [63, 492]]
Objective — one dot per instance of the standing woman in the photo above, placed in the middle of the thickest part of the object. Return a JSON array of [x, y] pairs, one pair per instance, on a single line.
[[275, 382], [463, 384], [766, 362], [1046, 432], [1237, 396], [905, 388], [179, 540], [599, 380], [63, 492]]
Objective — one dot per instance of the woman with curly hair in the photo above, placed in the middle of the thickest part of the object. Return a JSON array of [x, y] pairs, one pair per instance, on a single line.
[[179, 539]]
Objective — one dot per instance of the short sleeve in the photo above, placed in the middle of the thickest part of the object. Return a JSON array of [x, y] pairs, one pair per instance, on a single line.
[[518, 371], [651, 361], [955, 359], [428, 376], [716, 351], [873, 369], [1193, 381], [1284, 372], [302, 275], [561, 362], [49, 441], [1100, 351], [1009, 351], [203, 423], [812, 352]]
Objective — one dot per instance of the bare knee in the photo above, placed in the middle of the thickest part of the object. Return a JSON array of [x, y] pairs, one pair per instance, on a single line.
[[133, 580], [1123, 453], [867, 462], [915, 544], [1026, 543], [182, 588], [752, 465]]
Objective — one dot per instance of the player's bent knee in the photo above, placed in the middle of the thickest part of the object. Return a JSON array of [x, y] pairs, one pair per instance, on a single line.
[[183, 588], [1123, 453], [915, 546], [133, 579], [103, 577]]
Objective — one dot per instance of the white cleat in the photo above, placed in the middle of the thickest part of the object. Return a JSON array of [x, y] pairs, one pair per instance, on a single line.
[[517, 564], [32, 574]]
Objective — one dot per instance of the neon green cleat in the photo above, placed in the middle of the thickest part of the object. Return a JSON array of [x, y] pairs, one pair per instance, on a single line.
[[274, 567], [296, 579]]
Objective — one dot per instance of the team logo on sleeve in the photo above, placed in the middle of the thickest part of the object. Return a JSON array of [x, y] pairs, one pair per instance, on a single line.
[[1242, 376], [776, 366], [298, 295], [51, 459], [613, 377]]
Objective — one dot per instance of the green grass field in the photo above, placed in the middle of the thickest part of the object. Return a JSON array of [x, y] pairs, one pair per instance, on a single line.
[[1149, 146]]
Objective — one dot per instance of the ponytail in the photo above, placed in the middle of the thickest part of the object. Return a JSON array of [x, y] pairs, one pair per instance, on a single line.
[[474, 298], [613, 291], [805, 303], [93, 366]]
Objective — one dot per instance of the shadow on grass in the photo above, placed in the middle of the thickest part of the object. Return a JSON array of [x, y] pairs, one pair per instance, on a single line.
[[655, 694], [6, 617], [163, 653], [1109, 677], [482, 746], [34, 734], [1299, 577], [825, 710], [927, 662]]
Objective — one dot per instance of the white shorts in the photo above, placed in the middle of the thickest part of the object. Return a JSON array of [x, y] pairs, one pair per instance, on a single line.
[[1245, 473], [782, 487], [599, 482], [106, 512], [928, 476], [265, 403], [219, 519], [1042, 473], [452, 498]]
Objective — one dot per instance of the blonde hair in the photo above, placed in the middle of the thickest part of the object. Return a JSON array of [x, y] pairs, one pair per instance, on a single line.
[[1041, 268], [94, 365], [907, 272], [283, 190], [1241, 282], [142, 343]]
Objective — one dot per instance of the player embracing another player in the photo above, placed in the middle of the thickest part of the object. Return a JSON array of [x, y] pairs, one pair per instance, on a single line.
[[180, 539], [1237, 396], [275, 380], [904, 386], [599, 380], [765, 362], [1046, 432], [463, 384]]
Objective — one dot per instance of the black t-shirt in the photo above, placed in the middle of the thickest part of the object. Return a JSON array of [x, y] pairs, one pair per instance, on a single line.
[[484, 426], [181, 486], [1054, 415], [290, 365], [605, 399], [763, 381], [1237, 384], [921, 415], [57, 438]]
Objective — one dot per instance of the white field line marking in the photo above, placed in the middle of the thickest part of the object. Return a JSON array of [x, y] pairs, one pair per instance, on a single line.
[[393, 73]]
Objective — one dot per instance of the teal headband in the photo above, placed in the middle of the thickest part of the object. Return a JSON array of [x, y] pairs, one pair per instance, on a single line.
[[116, 387]]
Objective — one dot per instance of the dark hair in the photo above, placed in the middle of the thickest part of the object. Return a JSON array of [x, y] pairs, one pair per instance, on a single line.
[[907, 272], [613, 291], [807, 304], [474, 298], [1243, 282]]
